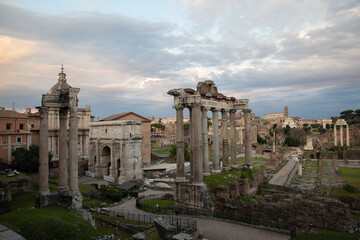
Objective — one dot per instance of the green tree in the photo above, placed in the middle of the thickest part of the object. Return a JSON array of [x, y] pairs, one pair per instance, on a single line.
[[158, 125], [26, 160], [347, 114], [260, 140], [186, 152]]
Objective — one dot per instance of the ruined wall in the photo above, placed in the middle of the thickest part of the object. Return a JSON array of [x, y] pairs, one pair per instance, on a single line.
[[284, 207]]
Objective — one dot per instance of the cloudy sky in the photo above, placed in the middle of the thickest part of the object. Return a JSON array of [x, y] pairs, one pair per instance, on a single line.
[[126, 55]]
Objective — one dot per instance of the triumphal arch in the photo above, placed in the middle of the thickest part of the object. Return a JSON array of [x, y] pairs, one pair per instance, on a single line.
[[63, 98], [206, 98]]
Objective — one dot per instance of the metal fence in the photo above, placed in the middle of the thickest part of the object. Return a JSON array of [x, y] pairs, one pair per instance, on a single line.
[[324, 236], [154, 209], [179, 222]]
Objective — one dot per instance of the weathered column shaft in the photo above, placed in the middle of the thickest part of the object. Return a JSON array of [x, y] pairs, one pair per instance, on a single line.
[[232, 137], [248, 153], [347, 136], [197, 144], [225, 141], [215, 146], [73, 151], [341, 136], [112, 160], [205, 141], [43, 152], [180, 168], [335, 135], [63, 148], [191, 147]]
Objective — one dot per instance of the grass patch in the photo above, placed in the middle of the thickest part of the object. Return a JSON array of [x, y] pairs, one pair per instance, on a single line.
[[161, 151], [320, 234], [115, 219], [52, 222], [226, 177], [159, 203], [351, 176], [4, 178]]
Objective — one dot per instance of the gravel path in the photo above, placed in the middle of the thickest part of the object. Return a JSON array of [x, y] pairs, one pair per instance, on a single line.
[[215, 229], [281, 176]]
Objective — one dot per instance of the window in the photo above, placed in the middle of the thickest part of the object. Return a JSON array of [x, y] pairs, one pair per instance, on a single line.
[[18, 139], [8, 126], [21, 126]]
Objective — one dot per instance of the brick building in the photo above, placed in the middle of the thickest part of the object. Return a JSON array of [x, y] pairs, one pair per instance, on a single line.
[[14, 133]]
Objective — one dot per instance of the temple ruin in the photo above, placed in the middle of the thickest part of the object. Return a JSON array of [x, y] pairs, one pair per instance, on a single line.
[[341, 123], [206, 98], [62, 98]]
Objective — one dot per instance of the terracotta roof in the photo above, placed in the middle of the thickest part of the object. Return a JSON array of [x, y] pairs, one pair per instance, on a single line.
[[12, 114], [121, 116]]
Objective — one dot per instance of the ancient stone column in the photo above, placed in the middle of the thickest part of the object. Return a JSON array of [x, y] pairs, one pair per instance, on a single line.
[[225, 141], [191, 132], [232, 137], [248, 153], [97, 157], [63, 151], [122, 177], [215, 147], [205, 141], [335, 135], [180, 168], [347, 136], [112, 160], [73, 151], [197, 144], [341, 136], [43, 152]]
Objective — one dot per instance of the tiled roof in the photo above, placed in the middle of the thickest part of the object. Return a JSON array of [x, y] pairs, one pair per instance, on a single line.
[[12, 114], [120, 116]]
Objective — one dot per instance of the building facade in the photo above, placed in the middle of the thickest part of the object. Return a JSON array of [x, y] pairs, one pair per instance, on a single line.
[[14, 133]]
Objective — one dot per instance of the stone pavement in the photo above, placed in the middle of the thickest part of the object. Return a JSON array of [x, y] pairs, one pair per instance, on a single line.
[[215, 229], [282, 175], [8, 234]]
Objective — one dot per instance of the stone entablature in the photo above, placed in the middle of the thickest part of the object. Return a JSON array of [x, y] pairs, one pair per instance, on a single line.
[[116, 150]]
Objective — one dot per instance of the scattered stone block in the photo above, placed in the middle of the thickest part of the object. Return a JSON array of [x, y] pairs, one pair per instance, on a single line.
[[182, 236], [165, 229], [139, 236]]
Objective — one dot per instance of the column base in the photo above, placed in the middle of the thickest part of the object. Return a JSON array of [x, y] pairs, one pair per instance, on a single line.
[[216, 171], [76, 201], [206, 174], [234, 166], [198, 184], [180, 179], [63, 190], [44, 192]]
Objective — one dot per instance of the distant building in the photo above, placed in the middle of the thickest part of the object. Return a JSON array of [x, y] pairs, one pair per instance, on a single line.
[[84, 119], [14, 133]]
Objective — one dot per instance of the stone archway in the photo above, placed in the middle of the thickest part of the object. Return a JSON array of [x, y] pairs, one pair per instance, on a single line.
[[105, 160]]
